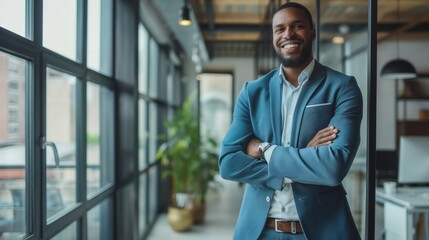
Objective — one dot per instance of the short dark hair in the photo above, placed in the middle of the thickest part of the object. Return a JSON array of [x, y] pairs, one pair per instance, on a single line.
[[299, 6]]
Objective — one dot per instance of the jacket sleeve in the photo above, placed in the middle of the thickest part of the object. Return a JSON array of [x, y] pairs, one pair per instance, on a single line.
[[325, 165], [234, 163]]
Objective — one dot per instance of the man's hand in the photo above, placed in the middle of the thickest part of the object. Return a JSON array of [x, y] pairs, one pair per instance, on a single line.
[[323, 137], [252, 148]]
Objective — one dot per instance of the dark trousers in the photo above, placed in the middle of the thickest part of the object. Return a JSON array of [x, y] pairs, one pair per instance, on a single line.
[[271, 234]]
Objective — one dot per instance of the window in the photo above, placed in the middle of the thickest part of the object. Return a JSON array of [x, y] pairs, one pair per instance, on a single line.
[[153, 130], [56, 87], [100, 221], [13, 10], [142, 204], [99, 55], [143, 134], [13, 149], [99, 132], [143, 59], [156, 91], [153, 68], [13, 86], [61, 137], [143, 102], [60, 27], [68, 233]]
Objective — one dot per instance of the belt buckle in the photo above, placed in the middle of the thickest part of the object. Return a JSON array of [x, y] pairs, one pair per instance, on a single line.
[[293, 227], [276, 221]]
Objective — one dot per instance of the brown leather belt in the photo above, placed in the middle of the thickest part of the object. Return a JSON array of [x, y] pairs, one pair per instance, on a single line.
[[284, 226]]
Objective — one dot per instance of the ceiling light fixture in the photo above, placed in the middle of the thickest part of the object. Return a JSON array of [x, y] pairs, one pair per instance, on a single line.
[[185, 15], [338, 40], [398, 68]]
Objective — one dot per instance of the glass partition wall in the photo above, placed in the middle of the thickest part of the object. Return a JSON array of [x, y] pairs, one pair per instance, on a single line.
[[343, 47], [402, 213]]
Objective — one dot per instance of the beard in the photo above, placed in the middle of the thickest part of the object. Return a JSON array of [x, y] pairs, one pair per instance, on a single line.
[[298, 61]]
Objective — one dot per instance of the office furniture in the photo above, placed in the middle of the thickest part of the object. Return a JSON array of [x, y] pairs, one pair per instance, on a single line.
[[414, 92], [402, 210]]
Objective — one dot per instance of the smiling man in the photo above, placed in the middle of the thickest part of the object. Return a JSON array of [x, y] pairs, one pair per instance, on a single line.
[[294, 135]]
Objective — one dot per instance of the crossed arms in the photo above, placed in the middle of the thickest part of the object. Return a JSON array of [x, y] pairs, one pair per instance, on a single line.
[[323, 137], [325, 160]]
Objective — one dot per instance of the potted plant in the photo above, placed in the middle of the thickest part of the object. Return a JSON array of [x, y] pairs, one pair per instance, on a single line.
[[190, 164], [206, 169]]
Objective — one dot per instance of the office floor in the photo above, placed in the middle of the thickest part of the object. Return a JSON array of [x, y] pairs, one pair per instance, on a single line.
[[223, 205], [222, 210]]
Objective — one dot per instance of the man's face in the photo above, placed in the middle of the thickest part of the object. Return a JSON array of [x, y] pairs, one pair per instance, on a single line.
[[292, 37]]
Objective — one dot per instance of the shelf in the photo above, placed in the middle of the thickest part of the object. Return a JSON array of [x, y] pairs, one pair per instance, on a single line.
[[414, 98], [414, 128], [412, 93]]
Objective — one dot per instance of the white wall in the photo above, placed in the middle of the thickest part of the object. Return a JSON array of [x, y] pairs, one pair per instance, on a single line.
[[243, 70], [414, 51]]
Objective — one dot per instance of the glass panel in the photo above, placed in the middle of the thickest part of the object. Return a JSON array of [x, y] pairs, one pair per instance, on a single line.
[[153, 193], [344, 49], [170, 85], [143, 58], [69, 232], [164, 67], [59, 26], [100, 35], [13, 10], [126, 211], [153, 131], [93, 160], [143, 134], [100, 225], [175, 93], [61, 132], [142, 204], [12, 146], [153, 68], [99, 137]]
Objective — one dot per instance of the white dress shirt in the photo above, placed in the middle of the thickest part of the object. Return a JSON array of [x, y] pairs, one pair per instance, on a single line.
[[283, 204]]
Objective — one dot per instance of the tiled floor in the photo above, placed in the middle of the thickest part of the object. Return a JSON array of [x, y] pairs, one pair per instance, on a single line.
[[221, 213]]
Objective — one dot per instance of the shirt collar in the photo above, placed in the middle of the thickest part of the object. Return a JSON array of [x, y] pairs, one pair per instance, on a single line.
[[303, 76]]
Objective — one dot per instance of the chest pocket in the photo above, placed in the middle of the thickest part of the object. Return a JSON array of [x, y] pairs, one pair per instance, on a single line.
[[316, 117]]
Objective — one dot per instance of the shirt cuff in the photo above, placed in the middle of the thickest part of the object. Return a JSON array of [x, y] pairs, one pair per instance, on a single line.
[[269, 152]]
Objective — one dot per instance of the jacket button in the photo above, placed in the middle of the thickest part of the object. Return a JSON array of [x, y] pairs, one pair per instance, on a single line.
[[267, 199]]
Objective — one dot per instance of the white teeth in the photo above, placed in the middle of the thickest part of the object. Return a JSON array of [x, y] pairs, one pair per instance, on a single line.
[[290, 45]]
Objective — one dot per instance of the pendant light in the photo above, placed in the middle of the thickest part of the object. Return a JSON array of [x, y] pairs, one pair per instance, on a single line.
[[185, 15], [398, 68]]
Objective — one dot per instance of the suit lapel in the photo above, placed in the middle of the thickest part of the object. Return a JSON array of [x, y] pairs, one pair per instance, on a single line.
[[275, 107], [316, 78]]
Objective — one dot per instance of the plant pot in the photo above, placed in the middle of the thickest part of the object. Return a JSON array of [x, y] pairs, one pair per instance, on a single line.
[[198, 212], [180, 219]]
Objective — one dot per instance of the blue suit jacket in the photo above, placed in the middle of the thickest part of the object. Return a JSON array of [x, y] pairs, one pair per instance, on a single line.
[[328, 98]]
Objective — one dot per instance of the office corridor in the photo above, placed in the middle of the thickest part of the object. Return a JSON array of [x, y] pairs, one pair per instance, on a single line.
[[223, 205]]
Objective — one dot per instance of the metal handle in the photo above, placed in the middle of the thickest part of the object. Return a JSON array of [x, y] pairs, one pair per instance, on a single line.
[[54, 149]]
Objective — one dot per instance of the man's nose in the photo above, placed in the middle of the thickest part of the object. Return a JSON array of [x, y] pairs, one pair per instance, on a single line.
[[288, 33]]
